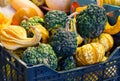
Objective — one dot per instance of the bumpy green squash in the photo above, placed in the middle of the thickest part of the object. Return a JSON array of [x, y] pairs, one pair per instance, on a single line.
[[42, 54], [54, 19], [63, 42], [91, 21]]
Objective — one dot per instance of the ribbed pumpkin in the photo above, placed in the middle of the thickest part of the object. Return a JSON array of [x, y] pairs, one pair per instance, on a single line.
[[90, 54], [106, 40]]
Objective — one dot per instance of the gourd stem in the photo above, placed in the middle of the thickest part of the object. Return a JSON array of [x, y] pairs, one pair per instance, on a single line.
[[74, 26], [71, 15], [26, 18]]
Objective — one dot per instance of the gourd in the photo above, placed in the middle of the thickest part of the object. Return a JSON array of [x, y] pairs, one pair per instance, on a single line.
[[35, 21], [17, 4], [64, 42], [89, 54], [106, 40], [113, 29], [41, 54], [13, 37], [91, 21], [54, 19]]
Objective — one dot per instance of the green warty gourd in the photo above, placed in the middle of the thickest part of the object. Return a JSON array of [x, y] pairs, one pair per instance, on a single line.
[[91, 21]]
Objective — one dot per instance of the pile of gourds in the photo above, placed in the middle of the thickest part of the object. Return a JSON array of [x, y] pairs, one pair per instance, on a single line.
[[13, 37]]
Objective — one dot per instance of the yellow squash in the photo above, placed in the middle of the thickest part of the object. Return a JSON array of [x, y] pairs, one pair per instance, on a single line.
[[14, 37]]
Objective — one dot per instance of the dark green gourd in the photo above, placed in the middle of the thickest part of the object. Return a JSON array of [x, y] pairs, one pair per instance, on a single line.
[[91, 21], [64, 42], [55, 18]]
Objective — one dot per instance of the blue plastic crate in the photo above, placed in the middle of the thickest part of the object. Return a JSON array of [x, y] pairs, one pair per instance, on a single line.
[[13, 69]]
